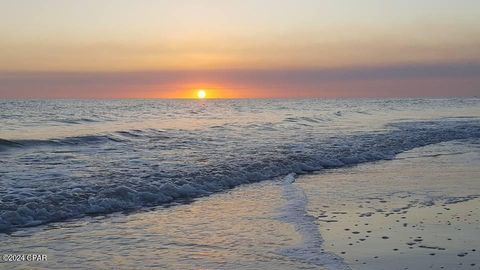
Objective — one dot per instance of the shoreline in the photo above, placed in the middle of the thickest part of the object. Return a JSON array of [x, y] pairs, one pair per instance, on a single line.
[[292, 223]]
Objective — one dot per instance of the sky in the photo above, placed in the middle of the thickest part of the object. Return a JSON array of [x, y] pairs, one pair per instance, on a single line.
[[239, 48]]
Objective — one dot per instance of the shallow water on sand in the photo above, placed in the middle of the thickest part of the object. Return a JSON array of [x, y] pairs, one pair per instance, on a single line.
[[232, 230], [427, 196]]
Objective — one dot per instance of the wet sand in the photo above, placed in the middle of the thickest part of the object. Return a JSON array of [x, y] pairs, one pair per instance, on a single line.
[[418, 211], [444, 236]]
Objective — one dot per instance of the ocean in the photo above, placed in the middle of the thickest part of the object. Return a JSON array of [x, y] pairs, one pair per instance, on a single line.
[[180, 169]]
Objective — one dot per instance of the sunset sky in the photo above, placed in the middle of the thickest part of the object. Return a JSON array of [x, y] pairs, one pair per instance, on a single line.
[[239, 48]]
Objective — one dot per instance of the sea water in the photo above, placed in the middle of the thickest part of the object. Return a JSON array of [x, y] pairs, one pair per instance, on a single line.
[[64, 159]]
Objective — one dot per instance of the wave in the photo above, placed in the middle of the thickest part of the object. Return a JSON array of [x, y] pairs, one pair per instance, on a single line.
[[72, 141], [7, 144], [119, 137], [77, 121], [172, 180]]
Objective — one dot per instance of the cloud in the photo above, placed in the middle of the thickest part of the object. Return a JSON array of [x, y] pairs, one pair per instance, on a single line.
[[462, 79]]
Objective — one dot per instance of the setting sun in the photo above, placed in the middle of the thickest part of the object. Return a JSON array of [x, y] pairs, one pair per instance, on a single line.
[[201, 94]]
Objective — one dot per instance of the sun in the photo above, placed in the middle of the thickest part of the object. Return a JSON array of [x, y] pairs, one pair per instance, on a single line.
[[201, 94]]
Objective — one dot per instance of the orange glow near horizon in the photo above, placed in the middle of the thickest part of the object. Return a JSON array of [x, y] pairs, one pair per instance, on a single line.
[[217, 91], [206, 91], [194, 92]]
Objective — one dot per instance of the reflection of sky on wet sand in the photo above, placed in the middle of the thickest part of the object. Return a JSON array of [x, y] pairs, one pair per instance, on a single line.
[[378, 218]]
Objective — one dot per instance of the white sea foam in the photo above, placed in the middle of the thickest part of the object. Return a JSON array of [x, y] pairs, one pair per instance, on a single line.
[[295, 212]]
